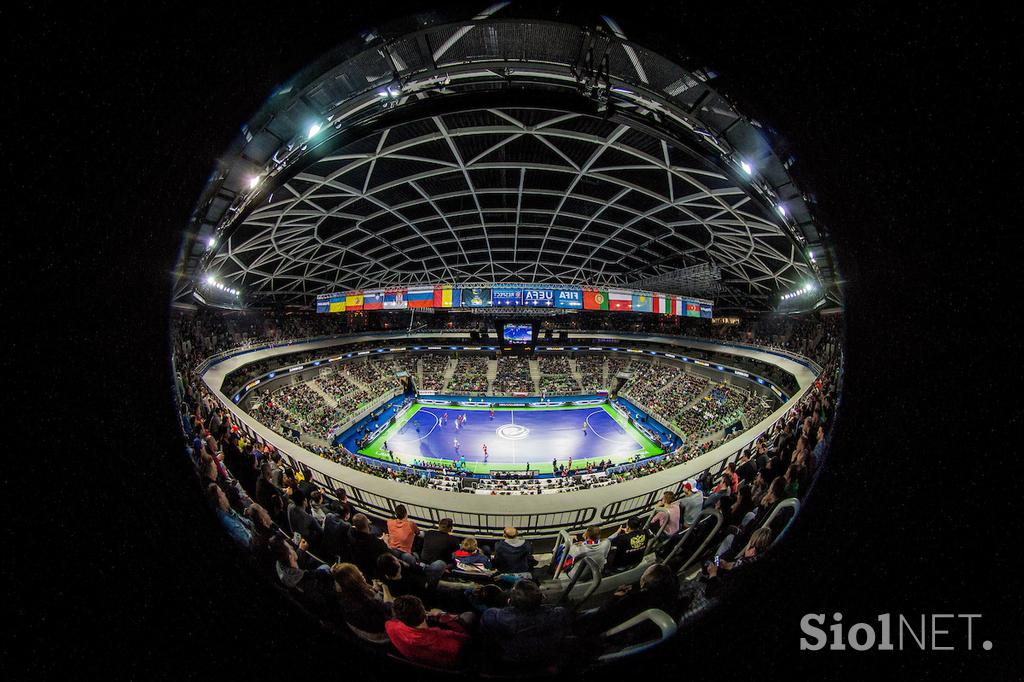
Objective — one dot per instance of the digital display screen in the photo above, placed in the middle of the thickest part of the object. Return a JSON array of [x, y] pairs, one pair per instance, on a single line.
[[476, 298], [518, 333]]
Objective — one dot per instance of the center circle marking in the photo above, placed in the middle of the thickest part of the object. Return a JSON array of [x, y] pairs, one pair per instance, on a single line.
[[512, 432]]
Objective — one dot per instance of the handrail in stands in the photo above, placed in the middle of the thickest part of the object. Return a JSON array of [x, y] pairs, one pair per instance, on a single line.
[[595, 581], [665, 624], [371, 637], [719, 520], [785, 504], [563, 539]]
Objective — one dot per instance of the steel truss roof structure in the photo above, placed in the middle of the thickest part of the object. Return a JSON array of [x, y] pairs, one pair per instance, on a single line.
[[500, 150]]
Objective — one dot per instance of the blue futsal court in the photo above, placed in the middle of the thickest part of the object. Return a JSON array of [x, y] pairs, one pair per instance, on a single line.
[[514, 436]]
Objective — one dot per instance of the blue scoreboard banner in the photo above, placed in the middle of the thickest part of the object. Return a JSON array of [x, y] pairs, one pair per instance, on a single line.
[[506, 297], [569, 298], [538, 297]]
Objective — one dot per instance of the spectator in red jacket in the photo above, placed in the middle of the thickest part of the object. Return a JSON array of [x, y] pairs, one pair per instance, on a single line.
[[435, 639]]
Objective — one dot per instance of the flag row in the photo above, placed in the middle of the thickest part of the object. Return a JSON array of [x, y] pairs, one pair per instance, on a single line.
[[403, 298]]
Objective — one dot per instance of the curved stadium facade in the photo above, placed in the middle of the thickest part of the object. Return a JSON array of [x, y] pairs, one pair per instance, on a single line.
[[513, 274]]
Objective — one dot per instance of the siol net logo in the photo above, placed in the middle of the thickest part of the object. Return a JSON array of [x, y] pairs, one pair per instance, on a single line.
[[931, 632]]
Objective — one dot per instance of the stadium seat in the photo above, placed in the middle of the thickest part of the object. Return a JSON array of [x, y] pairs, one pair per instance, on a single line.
[[666, 626], [380, 639]]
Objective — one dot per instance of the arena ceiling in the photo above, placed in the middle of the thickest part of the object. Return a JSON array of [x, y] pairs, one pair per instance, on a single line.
[[502, 150]]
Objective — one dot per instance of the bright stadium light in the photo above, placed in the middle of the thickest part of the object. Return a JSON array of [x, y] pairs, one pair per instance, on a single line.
[[747, 168], [313, 130], [781, 209], [211, 280], [210, 241], [253, 181]]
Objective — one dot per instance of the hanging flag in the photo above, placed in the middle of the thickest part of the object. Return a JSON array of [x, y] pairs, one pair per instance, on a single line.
[[394, 299], [620, 300], [353, 301], [661, 305], [705, 311], [373, 300], [446, 297], [692, 309], [420, 298], [595, 300], [337, 303], [323, 303], [642, 303]]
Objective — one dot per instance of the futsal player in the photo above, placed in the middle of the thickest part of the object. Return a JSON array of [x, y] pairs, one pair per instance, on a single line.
[[492, 412], [584, 427], [485, 453]]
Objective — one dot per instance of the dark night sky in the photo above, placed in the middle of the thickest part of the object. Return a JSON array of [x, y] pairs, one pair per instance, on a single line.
[[899, 121]]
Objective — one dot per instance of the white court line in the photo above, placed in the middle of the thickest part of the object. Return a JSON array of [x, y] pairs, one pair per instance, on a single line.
[[629, 439], [437, 420], [512, 414]]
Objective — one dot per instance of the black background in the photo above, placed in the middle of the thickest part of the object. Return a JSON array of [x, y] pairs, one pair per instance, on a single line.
[[902, 125]]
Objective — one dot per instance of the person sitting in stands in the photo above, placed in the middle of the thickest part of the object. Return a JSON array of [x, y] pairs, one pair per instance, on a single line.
[[334, 545], [402, 532], [435, 639], [793, 476], [263, 530], [301, 520], [734, 478], [691, 504], [402, 578], [469, 554], [734, 509], [483, 597], [718, 576], [668, 514], [361, 605], [267, 494], [628, 544], [588, 545], [513, 554], [341, 505], [240, 529], [526, 633], [747, 468], [314, 583], [364, 546], [439, 544], [658, 589]]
